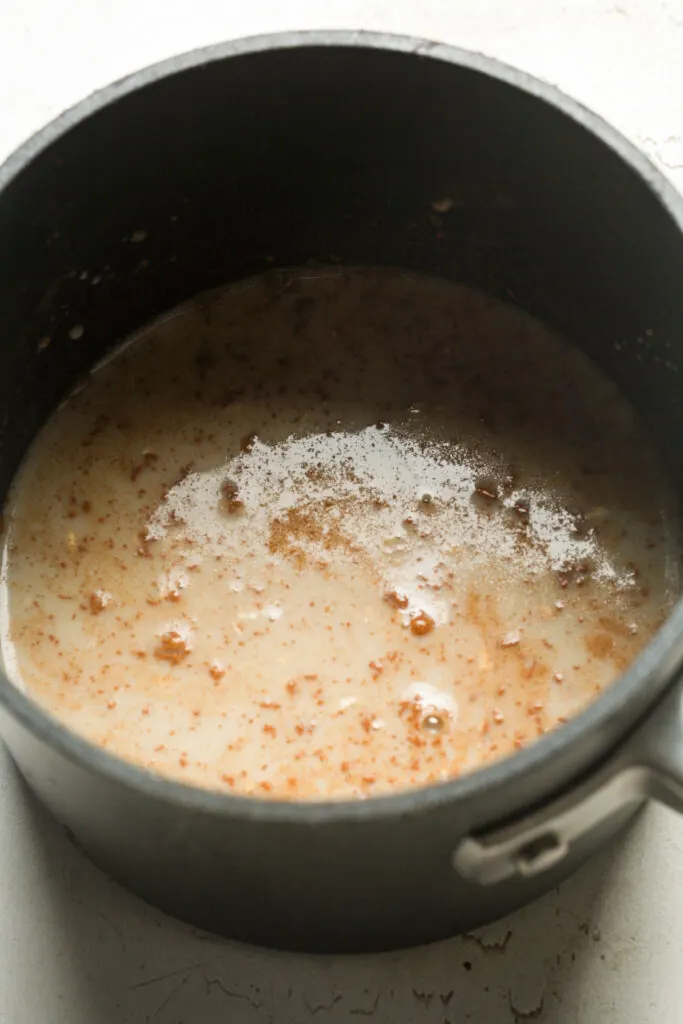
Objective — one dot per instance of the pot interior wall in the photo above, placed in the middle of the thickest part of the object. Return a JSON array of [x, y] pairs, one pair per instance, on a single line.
[[330, 154]]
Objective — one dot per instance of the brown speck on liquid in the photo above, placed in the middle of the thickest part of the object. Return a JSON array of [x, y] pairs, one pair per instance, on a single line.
[[487, 488], [230, 494], [98, 601], [421, 624], [172, 647]]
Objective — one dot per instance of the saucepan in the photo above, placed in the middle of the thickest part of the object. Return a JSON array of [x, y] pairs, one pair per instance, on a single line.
[[332, 147]]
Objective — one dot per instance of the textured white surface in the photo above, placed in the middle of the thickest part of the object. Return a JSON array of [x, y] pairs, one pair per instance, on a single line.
[[604, 948]]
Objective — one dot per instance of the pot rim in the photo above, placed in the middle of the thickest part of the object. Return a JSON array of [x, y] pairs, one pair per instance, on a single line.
[[654, 668]]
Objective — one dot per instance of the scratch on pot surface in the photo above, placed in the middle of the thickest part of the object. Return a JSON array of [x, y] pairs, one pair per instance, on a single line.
[[532, 1014], [423, 997], [365, 1011], [317, 1007], [212, 983], [490, 944], [171, 995], [169, 974], [102, 916], [423, 47]]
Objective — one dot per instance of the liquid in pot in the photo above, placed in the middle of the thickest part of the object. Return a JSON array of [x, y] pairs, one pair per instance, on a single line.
[[334, 534]]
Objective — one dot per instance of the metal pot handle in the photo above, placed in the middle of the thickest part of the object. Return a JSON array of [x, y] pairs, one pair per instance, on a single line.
[[650, 764]]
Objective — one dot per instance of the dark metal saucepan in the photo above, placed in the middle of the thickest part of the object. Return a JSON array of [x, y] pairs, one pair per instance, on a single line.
[[321, 146]]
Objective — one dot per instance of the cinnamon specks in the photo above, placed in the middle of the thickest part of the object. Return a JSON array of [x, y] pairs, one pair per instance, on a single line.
[[485, 487], [230, 495], [172, 647], [98, 601], [421, 624]]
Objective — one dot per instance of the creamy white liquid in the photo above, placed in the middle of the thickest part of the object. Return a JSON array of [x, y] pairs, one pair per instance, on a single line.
[[334, 533]]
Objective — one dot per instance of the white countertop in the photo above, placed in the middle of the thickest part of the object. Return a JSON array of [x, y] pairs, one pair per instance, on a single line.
[[603, 949]]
